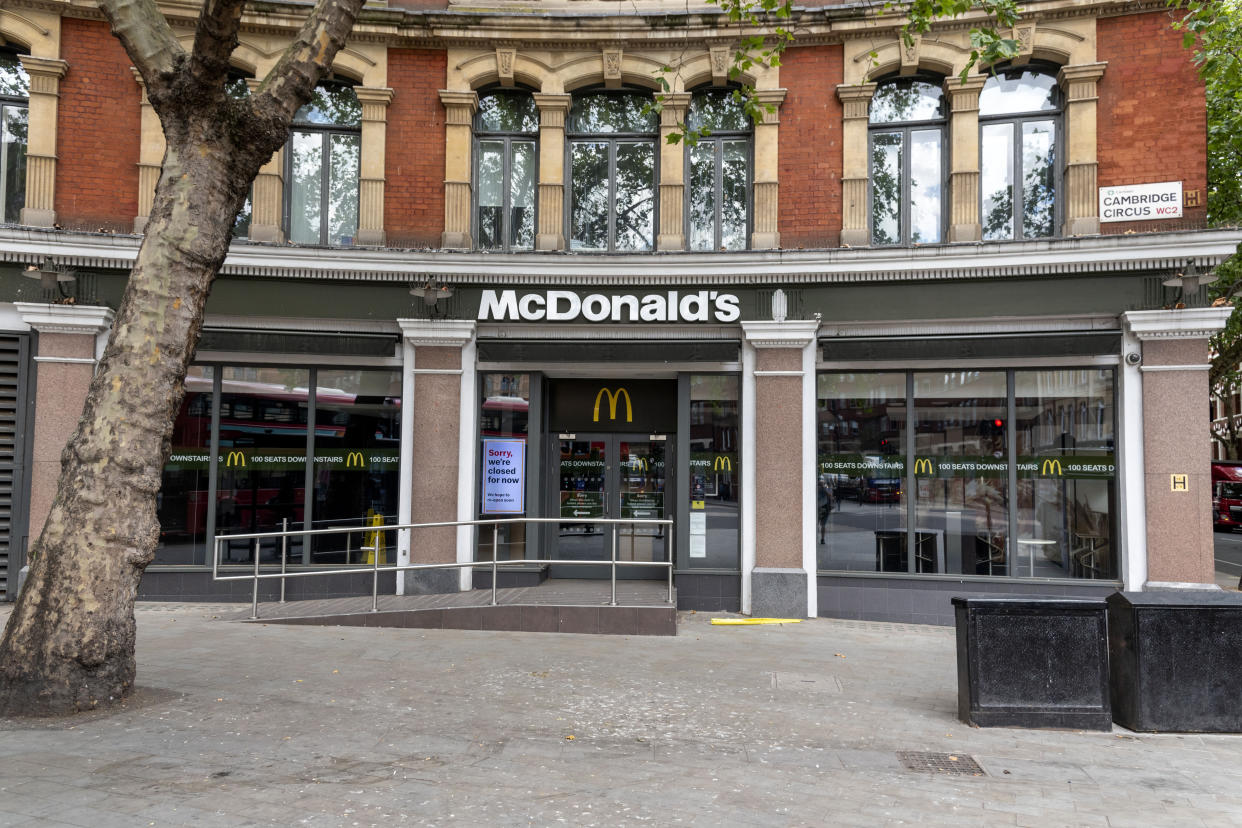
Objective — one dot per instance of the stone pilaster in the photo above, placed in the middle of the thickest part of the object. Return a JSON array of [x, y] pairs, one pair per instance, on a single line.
[[1079, 83], [855, 163], [267, 223], [459, 109], [964, 221], [45, 75], [766, 234], [150, 156], [1175, 443], [371, 179], [672, 233], [553, 110]]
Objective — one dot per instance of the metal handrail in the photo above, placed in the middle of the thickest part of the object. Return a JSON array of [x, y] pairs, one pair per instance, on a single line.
[[376, 569]]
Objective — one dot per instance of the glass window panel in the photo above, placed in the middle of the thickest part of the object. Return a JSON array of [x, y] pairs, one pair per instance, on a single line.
[[717, 110], [1014, 91], [184, 493], [735, 181], [333, 104], [715, 472], [886, 150], [907, 100], [237, 88], [14, 82], [508, 112], [1038, 183], [1066, 472], [961, 469], [860, 500], [504, 414], [996, 155], [589, 216], [13, 139], [357, 456], [241, 224], [490, 182], [305, 187], [635, 203], [522, 196], [703, 196], [612, 112], [343, 189], [925, 186]]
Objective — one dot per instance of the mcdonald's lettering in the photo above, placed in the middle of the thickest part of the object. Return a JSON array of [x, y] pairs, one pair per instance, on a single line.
[[722, 463], [236, 458], [612, 404], [355, 458], [1051, 467], [924, 466]]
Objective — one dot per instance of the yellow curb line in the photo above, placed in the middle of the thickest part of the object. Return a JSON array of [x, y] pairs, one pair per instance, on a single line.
[[752, 622]]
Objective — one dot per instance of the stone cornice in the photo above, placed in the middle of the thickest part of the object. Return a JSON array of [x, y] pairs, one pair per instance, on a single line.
[[65, 319], [437, 333], [791, 334], [1186, 323]]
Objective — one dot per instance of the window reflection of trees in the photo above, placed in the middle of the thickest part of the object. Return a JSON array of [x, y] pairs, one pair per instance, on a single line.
[[907, 168], [718, 204], [506, 126], [324, 161], [1019, 111], [14, 135], [612, 179]]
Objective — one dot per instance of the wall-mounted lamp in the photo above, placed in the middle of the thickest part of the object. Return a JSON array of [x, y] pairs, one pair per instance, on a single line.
[[431, 292], [49, 276]]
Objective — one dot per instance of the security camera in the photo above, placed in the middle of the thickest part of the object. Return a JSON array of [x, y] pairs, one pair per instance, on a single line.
[[1134, 358]]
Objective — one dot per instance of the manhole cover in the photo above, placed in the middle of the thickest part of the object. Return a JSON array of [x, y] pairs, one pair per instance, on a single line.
[[957, 764]]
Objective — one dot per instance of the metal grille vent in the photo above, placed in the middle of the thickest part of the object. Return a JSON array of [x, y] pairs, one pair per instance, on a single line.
[[956, 764], [10, 446]]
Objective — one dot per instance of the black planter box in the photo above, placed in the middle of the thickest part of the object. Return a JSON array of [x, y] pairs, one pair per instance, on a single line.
[[1176, 660], [1033, 662]]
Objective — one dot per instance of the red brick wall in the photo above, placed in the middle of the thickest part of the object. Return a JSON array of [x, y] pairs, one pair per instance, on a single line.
[[1152, 118], [810, 147], [414, 157], [98, 124]]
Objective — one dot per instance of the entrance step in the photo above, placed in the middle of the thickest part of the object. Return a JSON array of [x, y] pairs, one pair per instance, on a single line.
[[568, 606]]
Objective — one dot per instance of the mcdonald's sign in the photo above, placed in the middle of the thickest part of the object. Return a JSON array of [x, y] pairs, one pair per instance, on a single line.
[[355, 458], [612, 404], [235, 458], [722, 463], [1051, 467], [923, 465]]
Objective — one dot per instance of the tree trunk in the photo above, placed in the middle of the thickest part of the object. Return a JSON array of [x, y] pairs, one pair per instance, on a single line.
[[69, 643]]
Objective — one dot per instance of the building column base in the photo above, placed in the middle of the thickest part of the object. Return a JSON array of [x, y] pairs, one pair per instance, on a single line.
[[370, 238], [778, 593], [34, 217], [432, 582], [855, 238]]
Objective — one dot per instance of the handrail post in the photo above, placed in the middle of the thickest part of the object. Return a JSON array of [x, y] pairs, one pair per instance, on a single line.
[[495, 553], [284, 555], [254, 596], [671, 535], [375, 578], [613, 602]]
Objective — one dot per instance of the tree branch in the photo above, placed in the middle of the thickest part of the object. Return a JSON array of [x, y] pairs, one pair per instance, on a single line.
[[147, 38], [214, 40]]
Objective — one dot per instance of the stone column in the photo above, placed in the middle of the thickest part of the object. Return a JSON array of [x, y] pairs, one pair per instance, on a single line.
[[267, 221], [672, 234], [71, 339], [1175, 458], [553, 109], [45, 75], [150, 156], [855, 163], [964, 221], [371, 175], [1081, 200], [438, 479], [459, 110], [778, 567], [767, 170]]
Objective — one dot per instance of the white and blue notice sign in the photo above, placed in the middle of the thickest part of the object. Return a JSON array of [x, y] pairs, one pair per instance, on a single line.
[[504, 477]]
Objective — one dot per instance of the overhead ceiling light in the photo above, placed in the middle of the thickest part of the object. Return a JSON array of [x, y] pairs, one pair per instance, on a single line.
[[1191, 279], [431, 292]]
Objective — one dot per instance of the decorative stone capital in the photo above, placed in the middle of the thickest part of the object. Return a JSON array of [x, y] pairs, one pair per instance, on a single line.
[[612, 67], [792, 334], [459, 106], [1024, 33], [86, 320], [437, 333], [45, 73], [964, 97], [1079, 81], [505, 60], [1187, 323], [673, 110], [720, 57], [910, 53], [552, 109], [856, 99], [375, 101], [771, 98]]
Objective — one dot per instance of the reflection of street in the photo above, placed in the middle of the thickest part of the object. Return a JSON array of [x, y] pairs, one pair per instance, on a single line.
[[849, 536], [1228, 559]]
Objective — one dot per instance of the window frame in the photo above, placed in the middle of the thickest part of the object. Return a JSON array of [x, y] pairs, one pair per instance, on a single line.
[[906, 128], [14, 102], [1057, 116], [479, 135], [718, 139], [613, 140], [325, 132]]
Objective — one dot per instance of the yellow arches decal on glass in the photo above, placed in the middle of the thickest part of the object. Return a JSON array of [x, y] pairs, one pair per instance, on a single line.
[[612, 404], [722, 463], [355, 458], [236, 458], [1051, 467]]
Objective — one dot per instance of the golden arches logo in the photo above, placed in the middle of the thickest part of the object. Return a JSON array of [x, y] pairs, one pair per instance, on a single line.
[[612, 404], [235, 458], [1051, 467], [924, 466], [722, 463], [355, 458]]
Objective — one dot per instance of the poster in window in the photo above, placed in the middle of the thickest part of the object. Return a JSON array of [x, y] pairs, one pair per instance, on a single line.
[[504, 477]]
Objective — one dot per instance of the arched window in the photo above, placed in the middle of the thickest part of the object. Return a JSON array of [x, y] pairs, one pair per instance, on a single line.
[[612, 157], [14, 129], [506, 166], [1019, 119], [321, 204], [718, 173], [907, 162]]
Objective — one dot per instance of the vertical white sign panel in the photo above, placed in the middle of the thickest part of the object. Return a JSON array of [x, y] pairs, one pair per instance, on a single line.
[[504, 477]]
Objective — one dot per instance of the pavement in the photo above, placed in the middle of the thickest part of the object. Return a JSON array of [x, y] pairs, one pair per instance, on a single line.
[[236, 724]]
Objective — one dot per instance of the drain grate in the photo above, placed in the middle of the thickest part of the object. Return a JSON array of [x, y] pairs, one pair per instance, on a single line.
[[957, 764]]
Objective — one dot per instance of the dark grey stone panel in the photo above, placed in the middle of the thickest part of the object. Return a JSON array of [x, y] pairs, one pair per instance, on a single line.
[[432, 582], [778, 593]]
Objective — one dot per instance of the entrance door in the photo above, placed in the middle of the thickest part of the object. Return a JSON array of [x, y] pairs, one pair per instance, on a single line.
[[610, 476]]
